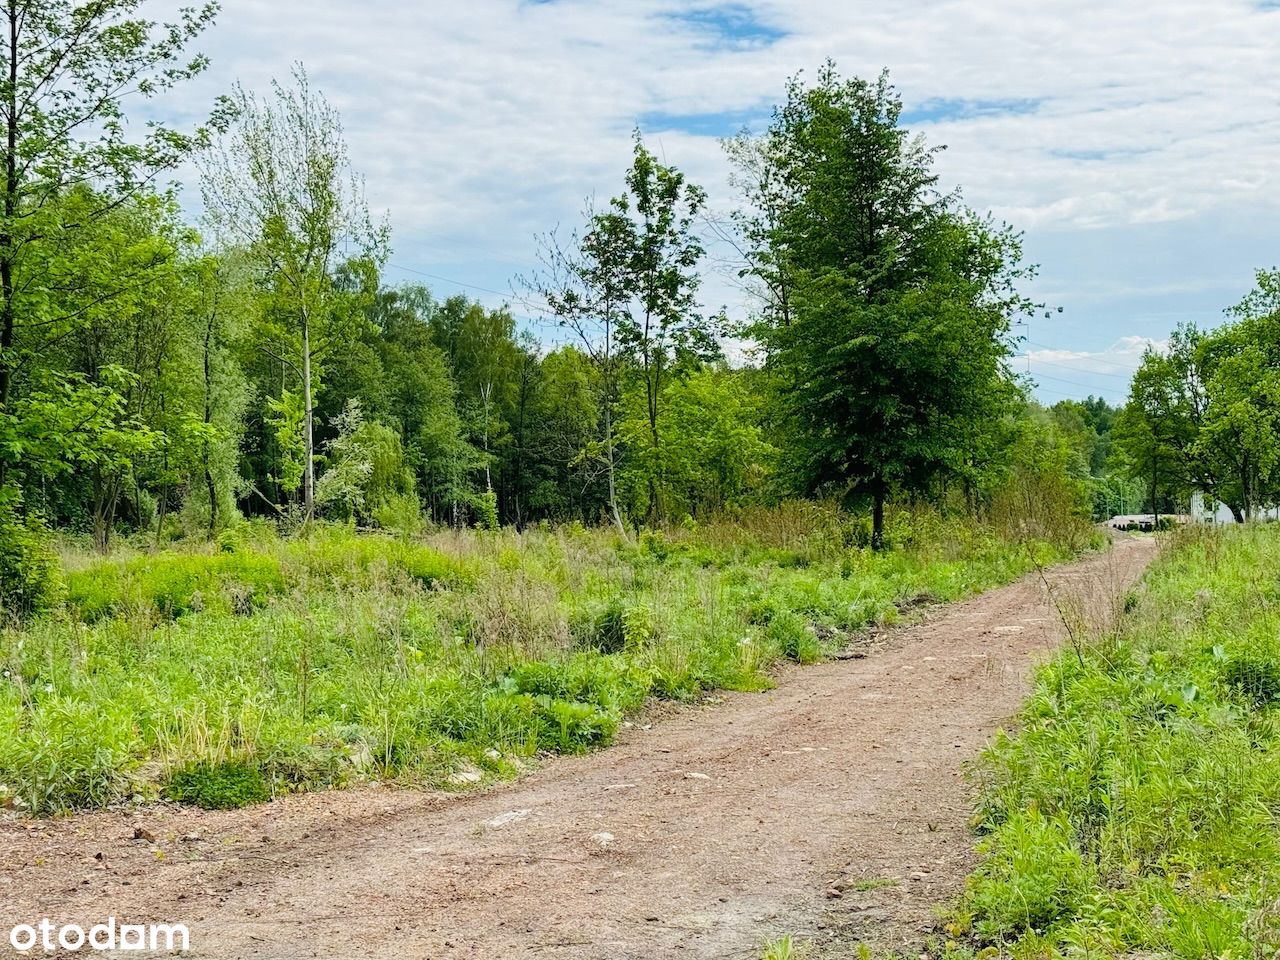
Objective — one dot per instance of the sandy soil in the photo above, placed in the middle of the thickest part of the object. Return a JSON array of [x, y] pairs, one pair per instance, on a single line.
[[834, 805]]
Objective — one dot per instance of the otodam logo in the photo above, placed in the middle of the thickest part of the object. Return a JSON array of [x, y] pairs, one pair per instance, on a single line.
[[46, 936]]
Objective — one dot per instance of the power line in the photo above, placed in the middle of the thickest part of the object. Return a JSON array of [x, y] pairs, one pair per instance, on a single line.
[[1092, 373], [1074, 383], [1045, 346]]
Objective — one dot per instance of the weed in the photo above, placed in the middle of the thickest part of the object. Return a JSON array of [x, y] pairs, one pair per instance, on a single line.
[[224, 785], [335, 657], [1133, 813]]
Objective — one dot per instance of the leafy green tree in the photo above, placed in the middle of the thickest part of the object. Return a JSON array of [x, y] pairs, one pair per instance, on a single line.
[[281, 187], [627, 289], [221, 313], [558, 435], [654, 221], [486, 370], [365, 468], [715, 454], [586, 282], [900, 305], [69, 67]]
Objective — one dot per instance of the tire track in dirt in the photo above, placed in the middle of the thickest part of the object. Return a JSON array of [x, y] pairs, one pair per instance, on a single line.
[[835, 802]]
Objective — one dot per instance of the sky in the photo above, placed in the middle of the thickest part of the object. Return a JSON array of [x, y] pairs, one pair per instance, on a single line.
[[1135, 142]]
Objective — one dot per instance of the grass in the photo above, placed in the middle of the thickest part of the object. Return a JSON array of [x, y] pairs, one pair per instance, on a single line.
[[221, 674], [1134, 813]]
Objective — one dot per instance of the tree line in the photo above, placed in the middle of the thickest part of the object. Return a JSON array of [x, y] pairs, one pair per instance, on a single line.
[[163, 376], [1204, 415]]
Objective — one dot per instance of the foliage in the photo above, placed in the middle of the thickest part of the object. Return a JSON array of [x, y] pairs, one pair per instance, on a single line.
[[30, 581], [1132, 812], [1205, 414], [365, 468], [280, 187], [218, 786], [892, 347]]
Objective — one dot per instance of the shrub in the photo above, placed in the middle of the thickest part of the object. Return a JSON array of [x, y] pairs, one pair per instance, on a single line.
[[1255, 676], [793, 637], [30, 581], [223, 785], [613, 627], [170, 585], [70, 755], [486, 507]]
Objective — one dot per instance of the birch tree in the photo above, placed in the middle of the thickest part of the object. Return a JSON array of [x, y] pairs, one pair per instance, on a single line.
[[281, 185]]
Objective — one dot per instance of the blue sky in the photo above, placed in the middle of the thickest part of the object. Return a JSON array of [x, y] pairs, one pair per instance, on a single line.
[[1135, 143]]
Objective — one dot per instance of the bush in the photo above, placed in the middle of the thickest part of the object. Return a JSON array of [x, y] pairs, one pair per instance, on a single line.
[[30, 581], [224, 785], [486, 507], [793, 637], [1254, 676], [613, 627], [66, 755]]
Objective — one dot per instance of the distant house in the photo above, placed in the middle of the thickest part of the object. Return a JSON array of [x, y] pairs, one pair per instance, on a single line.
[[1207, 510], [1145, 522]]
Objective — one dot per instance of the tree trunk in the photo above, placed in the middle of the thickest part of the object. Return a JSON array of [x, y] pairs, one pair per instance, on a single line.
[[877, 518], [613, 490], [208, 419], [7, 252], [1155, 500], [1237, 513], [309, 475]]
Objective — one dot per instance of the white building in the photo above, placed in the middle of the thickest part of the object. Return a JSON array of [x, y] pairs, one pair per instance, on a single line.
[[1204, 510]]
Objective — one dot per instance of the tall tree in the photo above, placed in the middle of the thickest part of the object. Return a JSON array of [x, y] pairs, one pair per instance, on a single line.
[[585, 281], [627, 288], [65, 72], [892, 354], [655, 220], [281, 185]]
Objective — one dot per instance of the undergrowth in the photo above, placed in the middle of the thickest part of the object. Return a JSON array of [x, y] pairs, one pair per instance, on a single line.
[[221, 674], [1134, 813]]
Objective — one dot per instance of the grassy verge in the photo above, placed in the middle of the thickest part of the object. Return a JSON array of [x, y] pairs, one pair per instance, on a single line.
[[225, 674], [1134, 813]]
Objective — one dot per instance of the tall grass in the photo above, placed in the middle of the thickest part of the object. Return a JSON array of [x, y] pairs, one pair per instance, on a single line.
[[221, 674], [1134, 814]]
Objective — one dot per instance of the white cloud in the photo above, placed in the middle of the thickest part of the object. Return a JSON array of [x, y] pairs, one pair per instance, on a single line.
[[479, 124], [1060, 372]]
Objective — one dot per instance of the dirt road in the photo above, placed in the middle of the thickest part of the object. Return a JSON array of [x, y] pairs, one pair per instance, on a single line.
[[835, 800]]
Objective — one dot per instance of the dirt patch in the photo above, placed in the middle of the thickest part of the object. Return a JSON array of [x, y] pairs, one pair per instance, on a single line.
[[833, 804]]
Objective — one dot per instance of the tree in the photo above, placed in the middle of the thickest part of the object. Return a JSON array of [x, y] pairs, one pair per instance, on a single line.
[[1205, 413], [892, 354], [586, 284], [626, 288], [714, 455], [69, 67], [282, 187], [654, 221], [486, 368]]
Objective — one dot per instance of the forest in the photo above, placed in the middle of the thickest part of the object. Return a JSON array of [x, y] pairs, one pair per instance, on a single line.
[[163, 378]]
